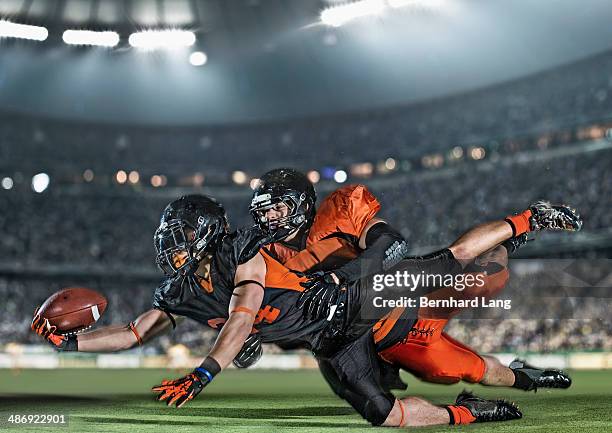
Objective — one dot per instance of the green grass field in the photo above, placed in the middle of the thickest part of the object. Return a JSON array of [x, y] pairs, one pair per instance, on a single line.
[[268, 401]]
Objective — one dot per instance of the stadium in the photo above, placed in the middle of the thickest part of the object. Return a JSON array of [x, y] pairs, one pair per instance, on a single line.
[[451, 113]]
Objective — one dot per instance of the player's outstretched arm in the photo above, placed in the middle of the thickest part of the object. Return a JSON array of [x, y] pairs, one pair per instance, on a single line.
[[111, 338], [540, 215], [122, 337], [245, 302]]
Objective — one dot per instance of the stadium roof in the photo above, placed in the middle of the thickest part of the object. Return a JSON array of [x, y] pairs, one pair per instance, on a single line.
[[270, 59]]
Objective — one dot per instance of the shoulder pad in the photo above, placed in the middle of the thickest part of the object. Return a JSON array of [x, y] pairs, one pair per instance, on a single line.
[[346, 210], [169, 292], [245, 243]]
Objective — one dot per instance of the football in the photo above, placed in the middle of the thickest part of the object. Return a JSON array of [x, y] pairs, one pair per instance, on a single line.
[[73, 309]]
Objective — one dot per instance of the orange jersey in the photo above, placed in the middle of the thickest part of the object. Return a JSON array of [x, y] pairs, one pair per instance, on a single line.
[[334, 235]]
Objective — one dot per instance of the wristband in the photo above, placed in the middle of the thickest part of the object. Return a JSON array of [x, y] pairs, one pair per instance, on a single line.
[[205, 372], [72, 344], [209, 368], [520, 223], [136, 334]]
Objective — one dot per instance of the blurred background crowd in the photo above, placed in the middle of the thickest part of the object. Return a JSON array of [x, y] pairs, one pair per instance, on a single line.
[[465, 163]]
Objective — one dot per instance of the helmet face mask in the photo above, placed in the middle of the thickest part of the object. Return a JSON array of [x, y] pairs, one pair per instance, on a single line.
[[190, 227]]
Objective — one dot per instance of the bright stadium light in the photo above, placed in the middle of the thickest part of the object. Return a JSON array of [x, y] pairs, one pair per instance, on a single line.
[[88, 175], [134, 177], [88, 37], [339, 15], [340, 176], [239, 177], [429, 4], [22, 31], [390, 164], [121, 176], [7, 183], [40, 182], [198, 58], [154, 39], [313, 176]]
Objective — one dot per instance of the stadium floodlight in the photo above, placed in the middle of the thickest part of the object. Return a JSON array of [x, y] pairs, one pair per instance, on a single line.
[[7, 183], [121, 177], [339, 15], [239, 177], [160, 39], [340, 176], [89, 37], [40, 182], [414, 3], [9, 29], [314, 176], [198, 58]]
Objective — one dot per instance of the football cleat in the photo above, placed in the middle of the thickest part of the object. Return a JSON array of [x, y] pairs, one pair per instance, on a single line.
[[488, 410], [530, 378], [546, 216]]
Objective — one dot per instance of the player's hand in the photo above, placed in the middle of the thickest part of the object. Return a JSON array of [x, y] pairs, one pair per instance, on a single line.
[[42, 327], [320, 293], [250, 353], [180, 391], [546, 216]]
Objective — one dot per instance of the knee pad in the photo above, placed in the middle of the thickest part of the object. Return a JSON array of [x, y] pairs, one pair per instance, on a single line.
[[376, 409]]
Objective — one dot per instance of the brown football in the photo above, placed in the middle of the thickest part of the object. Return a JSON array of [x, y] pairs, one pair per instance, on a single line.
[[73, 309]]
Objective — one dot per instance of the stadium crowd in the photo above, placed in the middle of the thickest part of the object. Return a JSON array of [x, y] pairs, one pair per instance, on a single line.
[[110, 230], [547, 106]]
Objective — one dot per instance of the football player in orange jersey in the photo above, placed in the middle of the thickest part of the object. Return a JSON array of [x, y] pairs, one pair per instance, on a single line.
[[345, 238]]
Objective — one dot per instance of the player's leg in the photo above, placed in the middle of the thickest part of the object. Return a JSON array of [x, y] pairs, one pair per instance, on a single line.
[[415, 412], [468, 408], [354, 374], [496, 373], [431, 356]]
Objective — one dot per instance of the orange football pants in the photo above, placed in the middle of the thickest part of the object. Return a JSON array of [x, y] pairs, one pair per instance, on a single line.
[[431, 354]]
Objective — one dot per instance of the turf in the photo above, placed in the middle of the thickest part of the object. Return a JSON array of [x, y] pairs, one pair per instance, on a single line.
[[268, 401]]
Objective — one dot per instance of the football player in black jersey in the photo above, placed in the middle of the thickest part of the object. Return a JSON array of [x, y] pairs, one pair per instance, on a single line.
[[228, 281]]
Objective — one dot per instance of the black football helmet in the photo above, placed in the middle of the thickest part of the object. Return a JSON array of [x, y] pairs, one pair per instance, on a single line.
[[290, 187], [192, 224]]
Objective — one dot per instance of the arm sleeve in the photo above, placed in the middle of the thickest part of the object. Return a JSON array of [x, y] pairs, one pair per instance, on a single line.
[[387, 250], [384, 247]]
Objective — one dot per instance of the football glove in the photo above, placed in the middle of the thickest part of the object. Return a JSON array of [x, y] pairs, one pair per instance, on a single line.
[[320, 293], [180, 391], [250, 353], [42, 327], [546, 216], [486, 410]]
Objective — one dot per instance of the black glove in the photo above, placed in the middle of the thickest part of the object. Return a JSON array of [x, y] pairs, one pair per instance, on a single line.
[[250, 353], [320, 293], [182, 390]]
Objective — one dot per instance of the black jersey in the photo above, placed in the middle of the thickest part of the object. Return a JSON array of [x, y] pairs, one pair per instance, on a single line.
[[207, 301]]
